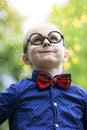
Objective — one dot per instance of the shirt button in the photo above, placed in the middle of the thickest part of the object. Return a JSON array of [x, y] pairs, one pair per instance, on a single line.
[[56, 125], [55, 104]]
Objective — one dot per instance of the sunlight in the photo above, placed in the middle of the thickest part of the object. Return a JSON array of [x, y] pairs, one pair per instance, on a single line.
[[34, 10]]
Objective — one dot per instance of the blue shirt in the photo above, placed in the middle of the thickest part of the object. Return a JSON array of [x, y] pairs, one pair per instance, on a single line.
[[29, 108]]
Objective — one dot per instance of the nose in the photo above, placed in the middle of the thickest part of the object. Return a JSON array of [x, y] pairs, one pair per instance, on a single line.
[[46, 42]]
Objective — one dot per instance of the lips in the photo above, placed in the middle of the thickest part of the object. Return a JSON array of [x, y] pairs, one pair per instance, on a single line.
[[47, 51]]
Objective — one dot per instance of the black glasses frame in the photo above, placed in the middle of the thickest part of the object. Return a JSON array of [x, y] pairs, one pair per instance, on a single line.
[[44, 37]]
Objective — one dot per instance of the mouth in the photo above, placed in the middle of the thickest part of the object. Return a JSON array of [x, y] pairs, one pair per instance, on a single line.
[[47, 52]]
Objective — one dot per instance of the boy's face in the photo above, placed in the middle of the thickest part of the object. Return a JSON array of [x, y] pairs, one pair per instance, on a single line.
[[45, 55]]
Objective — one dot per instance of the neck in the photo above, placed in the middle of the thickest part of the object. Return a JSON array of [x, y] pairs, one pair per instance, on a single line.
[[53, 71]]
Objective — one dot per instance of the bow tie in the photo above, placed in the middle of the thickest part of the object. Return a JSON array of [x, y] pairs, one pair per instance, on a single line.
[[45, 80]]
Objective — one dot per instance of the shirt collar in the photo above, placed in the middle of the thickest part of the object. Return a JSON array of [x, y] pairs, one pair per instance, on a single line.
[[35, 74]]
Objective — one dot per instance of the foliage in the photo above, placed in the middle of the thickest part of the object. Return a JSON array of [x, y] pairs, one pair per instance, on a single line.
[[72, 20], [10, 40]]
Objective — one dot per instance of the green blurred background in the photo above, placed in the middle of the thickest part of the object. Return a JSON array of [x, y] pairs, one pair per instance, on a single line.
[[71, 19]]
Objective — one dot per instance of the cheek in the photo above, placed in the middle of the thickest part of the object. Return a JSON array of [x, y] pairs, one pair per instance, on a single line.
[[31, 54], [60, 49], [61, 53]]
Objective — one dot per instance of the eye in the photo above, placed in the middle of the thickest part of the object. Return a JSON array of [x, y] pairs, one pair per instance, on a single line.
[[36, 39], [53, 39], [54, 36]]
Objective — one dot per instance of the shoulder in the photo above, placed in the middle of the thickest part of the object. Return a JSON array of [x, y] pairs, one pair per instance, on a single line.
[[24, 82], [21, 85], [79, 90]]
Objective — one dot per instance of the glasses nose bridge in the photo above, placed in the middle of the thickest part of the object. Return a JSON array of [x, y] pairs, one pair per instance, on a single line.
[[44, 37]]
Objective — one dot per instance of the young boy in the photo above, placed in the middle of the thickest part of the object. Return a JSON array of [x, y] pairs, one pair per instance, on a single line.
[[47, 101]]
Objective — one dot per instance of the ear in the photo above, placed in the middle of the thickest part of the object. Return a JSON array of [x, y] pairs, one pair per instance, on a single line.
[[65, 56], [25, 59]]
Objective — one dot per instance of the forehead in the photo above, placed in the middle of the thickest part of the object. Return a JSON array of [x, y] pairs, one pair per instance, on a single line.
[[42, 28]]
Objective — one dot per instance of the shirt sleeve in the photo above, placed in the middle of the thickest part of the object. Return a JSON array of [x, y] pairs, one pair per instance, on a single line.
[[8, 101], [85, 114]]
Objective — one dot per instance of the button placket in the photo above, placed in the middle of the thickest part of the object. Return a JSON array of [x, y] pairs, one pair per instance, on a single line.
[[55, 104], [56, 125], [55, 107]]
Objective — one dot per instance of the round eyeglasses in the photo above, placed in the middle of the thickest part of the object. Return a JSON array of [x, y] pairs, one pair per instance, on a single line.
[[53, 37]]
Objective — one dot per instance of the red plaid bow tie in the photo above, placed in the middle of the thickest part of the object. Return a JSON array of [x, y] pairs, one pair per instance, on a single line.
[[45, 80]]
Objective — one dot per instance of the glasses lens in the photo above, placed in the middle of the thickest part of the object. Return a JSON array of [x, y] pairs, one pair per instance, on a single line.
[[36, 39], [54, 37]]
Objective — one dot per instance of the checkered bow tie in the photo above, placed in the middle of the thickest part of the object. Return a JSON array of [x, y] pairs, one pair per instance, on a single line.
[[45, 80]]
